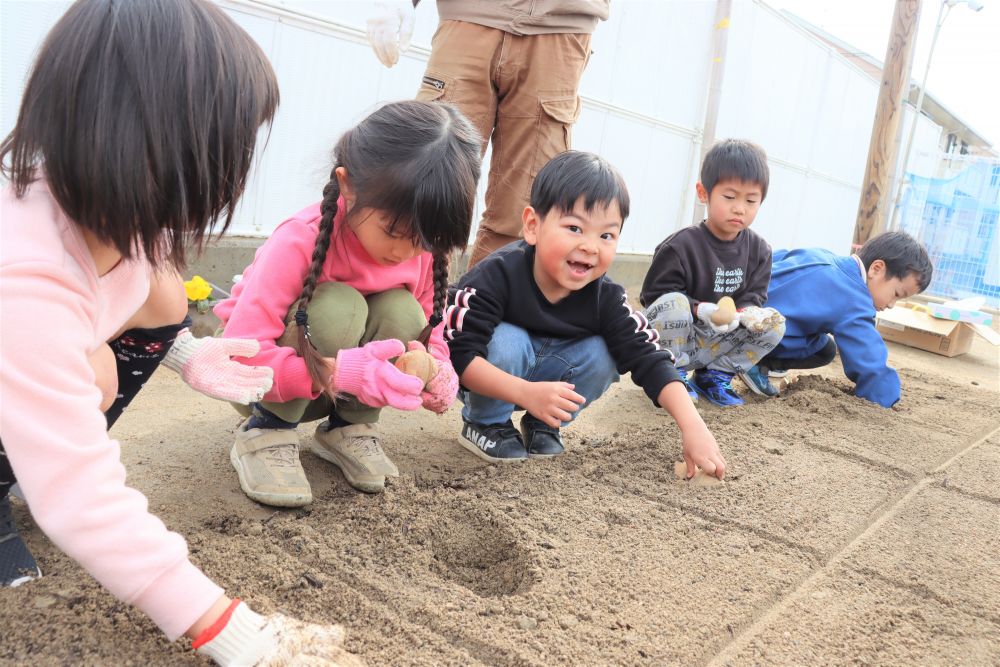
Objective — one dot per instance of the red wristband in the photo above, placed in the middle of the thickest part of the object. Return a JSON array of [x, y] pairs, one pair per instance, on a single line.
[[212, 631]]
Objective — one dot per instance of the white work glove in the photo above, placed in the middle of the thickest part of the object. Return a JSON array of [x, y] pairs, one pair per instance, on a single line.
[[251, 640], [705, 310], [390, 30], [204, 364], [758, 319]]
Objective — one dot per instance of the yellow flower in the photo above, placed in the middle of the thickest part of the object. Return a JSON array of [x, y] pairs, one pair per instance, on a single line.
[[197, 289]]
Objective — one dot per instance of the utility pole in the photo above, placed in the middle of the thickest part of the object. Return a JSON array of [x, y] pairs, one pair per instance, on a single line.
[[876, 193]]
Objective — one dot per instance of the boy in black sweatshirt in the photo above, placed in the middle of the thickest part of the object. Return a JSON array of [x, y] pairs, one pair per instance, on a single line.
[[539, 325], [695, 267]]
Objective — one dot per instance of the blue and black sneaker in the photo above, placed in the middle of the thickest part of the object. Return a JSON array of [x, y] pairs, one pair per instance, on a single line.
[[685, 378], [756, 378], [716, 387], [17, 565]]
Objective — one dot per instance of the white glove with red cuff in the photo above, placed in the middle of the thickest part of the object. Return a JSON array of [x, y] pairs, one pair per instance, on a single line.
[[205, 365], [243, 638]]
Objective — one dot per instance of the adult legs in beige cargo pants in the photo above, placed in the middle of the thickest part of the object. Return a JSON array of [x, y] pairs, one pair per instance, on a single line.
[[519, 91]]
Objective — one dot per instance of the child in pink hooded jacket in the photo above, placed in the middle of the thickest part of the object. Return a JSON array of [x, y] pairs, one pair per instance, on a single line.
[[123, 155]]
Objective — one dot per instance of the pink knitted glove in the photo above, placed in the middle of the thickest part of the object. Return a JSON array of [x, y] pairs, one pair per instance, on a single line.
[[366, 373], [205, 365], [442, 389]]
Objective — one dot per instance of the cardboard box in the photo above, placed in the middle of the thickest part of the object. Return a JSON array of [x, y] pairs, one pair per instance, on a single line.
[[920, 330]]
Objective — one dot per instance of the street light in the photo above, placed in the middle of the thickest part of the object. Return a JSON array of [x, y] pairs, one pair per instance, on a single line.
[[946, 6]]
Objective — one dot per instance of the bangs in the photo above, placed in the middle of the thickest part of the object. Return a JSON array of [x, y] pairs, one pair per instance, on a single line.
[[434, 212]]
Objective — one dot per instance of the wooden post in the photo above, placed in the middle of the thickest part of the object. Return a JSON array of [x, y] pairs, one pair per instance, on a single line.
[[876, 193]]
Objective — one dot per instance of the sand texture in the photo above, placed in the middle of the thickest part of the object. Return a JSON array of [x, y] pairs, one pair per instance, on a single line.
[[843, 534]]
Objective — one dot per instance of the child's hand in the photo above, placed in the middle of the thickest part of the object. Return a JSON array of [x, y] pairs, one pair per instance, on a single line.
[[205, 365], [705, 310], [247, 638], [367, 373], [701, 449], [440, 391], [552, 402]]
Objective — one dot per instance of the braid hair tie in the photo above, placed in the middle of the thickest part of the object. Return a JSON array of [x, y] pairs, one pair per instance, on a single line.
[[302, 322]]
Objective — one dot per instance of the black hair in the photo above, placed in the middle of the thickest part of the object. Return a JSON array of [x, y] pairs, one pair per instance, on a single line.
[[419, 163], [735, 159], [574, 174], [142, 116], [902, 255]]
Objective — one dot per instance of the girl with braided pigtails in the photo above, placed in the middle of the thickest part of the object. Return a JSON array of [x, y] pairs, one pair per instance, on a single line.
[[337, 289]]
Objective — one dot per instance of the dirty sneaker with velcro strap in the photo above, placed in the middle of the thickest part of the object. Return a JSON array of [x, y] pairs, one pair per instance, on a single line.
[[357, 450], [267, 462]]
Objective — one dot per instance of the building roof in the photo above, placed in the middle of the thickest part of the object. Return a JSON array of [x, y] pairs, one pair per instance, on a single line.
[[872, 66]]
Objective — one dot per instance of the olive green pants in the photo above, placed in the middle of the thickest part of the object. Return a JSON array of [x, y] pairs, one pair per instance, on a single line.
[[341, 318]]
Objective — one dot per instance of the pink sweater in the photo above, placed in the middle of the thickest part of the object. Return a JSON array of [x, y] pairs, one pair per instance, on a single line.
[[273, 282], [54, 311]]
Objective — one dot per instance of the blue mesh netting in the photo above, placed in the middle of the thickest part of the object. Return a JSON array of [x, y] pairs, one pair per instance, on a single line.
[[956, 218]]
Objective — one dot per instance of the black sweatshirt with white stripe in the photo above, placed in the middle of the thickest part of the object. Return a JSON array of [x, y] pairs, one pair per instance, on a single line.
[[502, 288]]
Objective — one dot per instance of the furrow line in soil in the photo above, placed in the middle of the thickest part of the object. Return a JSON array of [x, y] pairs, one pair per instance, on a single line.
[[739, 641]]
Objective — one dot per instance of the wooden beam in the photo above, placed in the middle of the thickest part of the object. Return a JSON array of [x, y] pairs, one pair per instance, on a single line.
[[876, 195]]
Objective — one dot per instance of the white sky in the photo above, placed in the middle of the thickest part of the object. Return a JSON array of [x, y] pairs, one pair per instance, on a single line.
[[965, 67]]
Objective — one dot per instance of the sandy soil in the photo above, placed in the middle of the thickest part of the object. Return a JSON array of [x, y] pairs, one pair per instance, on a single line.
[[845, 534]]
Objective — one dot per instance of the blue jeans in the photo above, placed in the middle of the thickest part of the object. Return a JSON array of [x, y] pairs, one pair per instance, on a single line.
[[584, 362]]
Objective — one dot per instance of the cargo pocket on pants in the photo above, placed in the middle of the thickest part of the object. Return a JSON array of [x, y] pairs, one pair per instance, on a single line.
[[434, 87], [555, 127]]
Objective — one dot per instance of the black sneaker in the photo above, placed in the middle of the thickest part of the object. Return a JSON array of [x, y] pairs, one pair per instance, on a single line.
[[17, 565], [497, 443], [542, 440]]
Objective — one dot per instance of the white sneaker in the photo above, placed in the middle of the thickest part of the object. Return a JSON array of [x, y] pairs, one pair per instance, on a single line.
[[357, 451], [267, 462]]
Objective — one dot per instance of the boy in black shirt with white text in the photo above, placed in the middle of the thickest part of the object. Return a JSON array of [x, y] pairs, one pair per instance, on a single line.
[[695, 267], [537, 324]]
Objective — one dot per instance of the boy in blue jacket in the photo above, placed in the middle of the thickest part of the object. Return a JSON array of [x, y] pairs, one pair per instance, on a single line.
[[829, 304]]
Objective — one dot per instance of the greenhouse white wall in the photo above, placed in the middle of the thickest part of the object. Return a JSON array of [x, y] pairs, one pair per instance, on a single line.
[[644, 98]]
